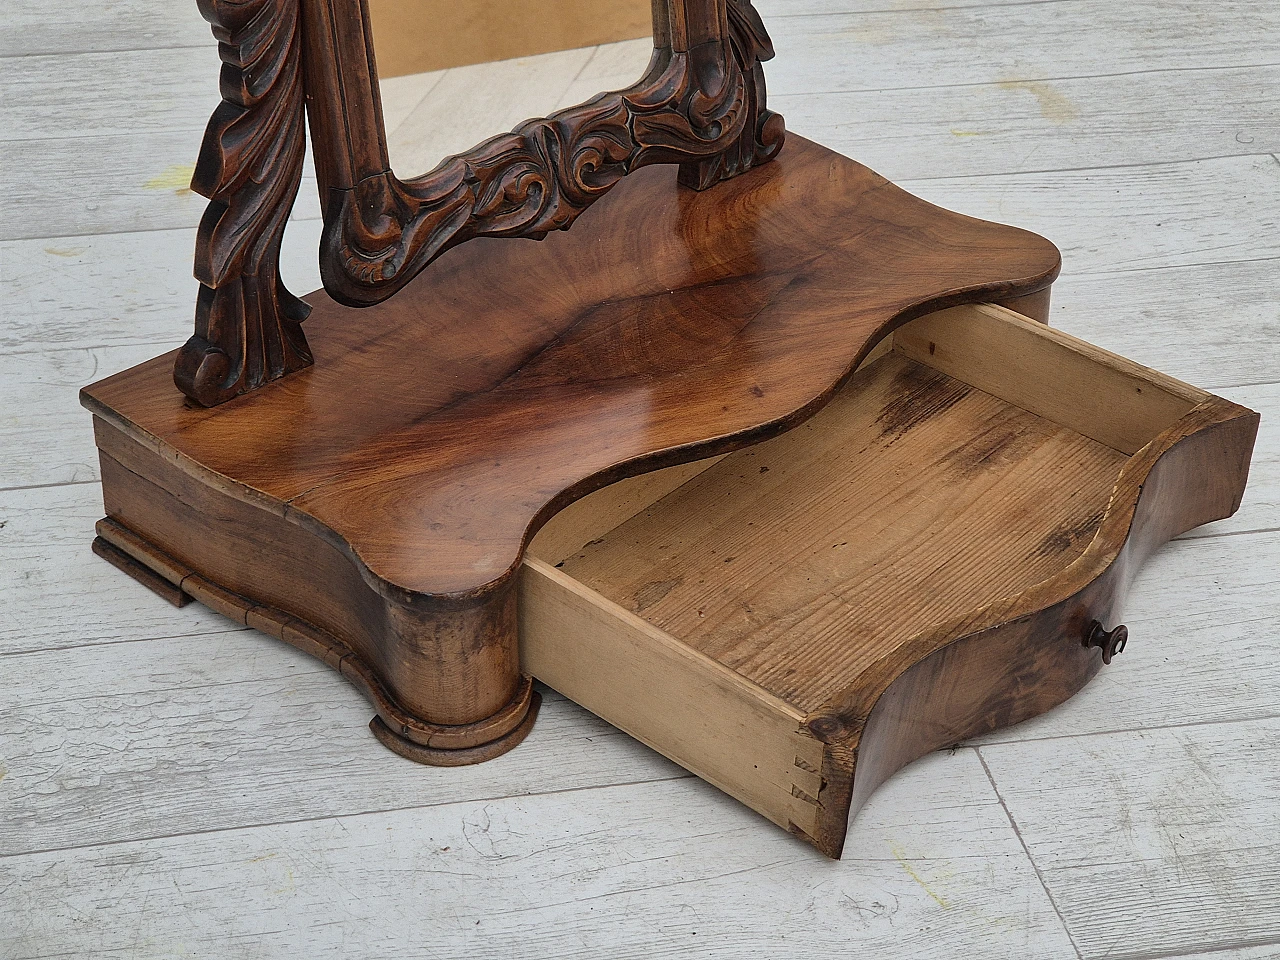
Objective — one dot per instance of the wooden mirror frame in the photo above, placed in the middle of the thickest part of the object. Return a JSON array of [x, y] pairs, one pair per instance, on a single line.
[[700, 104]]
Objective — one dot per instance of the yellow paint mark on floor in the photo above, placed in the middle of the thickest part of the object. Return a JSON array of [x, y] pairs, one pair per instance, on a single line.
[[176, 177], [289, 884], [4, 771], [64, 251], [967, 133], [1055, 106], [911, 872]]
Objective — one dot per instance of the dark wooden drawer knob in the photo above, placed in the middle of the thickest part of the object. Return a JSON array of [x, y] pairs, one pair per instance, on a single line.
[[1111, 641]]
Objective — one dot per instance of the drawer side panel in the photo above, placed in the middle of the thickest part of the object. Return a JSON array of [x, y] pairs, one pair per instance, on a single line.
[[682, 704]]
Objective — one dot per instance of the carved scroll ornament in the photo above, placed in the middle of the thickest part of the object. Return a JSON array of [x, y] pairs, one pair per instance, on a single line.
[[703, 108], [247, 324], [765, 130], [701, 105]]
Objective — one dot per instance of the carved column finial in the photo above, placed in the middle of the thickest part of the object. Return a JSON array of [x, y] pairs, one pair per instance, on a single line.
[[247, 324]]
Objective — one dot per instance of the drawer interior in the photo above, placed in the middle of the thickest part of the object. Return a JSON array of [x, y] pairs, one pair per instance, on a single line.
[[912, 497], [709, 609]]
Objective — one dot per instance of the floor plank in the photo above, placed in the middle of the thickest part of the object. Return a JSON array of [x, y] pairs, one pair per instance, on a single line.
[[892, 49], [671, 869], [1267, 951], [57, 594], [773, 9], [121, 290], [112, 184], [1172, 318], [136, 740], [1132, 218], [1018, 126], [39, 27], [47, 437], [68, 96], [1157, 842]]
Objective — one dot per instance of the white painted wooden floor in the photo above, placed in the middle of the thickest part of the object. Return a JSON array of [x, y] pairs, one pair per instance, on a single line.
[[172, 785]]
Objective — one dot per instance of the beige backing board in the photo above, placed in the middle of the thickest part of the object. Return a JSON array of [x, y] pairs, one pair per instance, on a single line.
[[413, 36]]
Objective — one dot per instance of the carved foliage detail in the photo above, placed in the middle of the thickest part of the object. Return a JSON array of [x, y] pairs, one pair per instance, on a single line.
[[703, 109], [765, 131], [247, 324]]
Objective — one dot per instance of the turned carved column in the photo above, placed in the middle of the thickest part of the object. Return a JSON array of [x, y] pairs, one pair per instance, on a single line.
[[247, 329]]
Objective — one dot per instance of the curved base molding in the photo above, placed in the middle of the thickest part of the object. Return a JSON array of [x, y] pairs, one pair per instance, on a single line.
[[457, 758], [412, 736]]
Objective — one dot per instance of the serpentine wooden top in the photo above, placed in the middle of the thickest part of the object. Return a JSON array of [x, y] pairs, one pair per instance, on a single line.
[[437, 431]]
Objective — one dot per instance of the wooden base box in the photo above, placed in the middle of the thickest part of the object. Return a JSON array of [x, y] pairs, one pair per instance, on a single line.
[[934, 555], [769, 479]]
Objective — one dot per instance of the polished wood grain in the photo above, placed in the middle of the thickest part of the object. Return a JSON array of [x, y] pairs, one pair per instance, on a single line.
[[716, 320]]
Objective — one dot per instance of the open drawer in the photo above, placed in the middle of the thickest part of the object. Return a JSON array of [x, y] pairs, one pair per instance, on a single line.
[[939, 552]]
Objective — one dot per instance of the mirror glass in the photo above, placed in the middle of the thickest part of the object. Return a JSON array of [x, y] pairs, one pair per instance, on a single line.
[[452, 74]]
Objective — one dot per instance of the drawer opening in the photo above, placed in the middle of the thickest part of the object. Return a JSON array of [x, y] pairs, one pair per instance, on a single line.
[[710, 609]]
